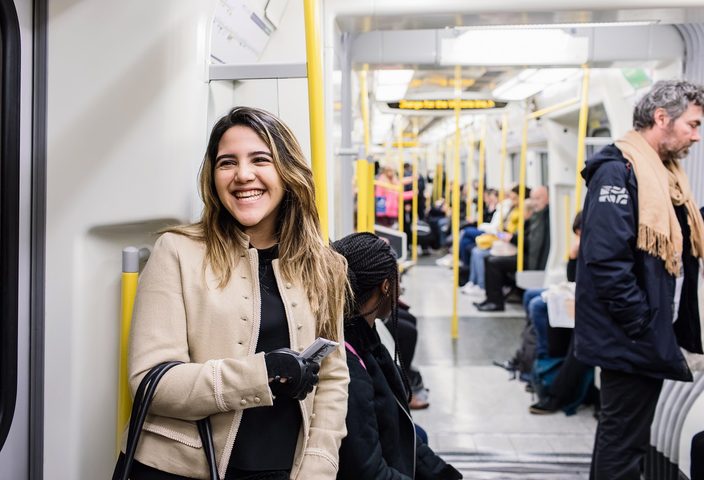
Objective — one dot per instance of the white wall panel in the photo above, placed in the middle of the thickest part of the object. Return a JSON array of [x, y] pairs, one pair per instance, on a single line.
[[127, 101]]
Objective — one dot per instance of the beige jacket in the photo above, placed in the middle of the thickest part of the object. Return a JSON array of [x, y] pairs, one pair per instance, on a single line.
[[180, 314]]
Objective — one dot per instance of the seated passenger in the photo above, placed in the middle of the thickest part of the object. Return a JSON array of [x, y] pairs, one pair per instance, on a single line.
[[536, 248], [381, 440]]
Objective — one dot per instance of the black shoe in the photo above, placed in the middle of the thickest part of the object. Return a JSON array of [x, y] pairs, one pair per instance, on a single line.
[[477, 304], [545, 406], [490, 307], [507, 365]]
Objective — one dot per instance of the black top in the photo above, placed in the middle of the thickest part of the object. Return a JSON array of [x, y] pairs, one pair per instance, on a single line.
[[267, 437]]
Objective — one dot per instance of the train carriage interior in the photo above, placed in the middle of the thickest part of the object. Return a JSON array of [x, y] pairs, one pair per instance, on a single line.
[[422, 122]]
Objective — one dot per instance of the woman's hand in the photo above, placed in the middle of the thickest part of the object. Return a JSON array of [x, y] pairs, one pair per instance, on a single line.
[[290, 374]]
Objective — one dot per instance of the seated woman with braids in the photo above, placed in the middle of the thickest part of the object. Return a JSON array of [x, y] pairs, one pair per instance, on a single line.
[[381, 440]]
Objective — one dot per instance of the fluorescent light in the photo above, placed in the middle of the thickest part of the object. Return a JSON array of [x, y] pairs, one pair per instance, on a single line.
[[637, 23], [504, 47], [391, 85], [530, 82]]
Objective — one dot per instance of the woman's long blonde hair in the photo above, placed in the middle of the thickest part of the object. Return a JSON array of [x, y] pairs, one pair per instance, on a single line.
[[303, 255]]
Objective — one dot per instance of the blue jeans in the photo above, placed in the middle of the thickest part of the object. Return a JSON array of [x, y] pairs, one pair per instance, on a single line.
[[476, 266], [537, 311], [467, 242]]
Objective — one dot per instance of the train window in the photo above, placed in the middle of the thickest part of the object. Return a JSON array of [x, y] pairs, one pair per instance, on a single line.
[[9, 211]]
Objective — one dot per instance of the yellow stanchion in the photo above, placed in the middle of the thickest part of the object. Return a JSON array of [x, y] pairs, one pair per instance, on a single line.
[[470, 176], [568, 227], [371, 221], [521, 197], [364, 107], [441, 173], [414, 213], [446, 158], [456, 172], [482, 169], [362, 196], [583, 115], [127, 294], [401, 211], [502, 169], [317, 114]]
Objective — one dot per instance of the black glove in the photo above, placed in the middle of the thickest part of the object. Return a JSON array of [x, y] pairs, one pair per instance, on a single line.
[[290, 374], [450, 473]]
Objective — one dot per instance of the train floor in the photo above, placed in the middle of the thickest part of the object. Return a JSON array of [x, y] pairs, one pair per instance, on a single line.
[[478, 417]]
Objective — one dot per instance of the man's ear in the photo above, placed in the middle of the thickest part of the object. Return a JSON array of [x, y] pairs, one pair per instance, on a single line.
[[661, 118]]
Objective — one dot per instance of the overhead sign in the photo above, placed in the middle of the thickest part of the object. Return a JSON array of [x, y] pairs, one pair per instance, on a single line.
[[469, 104]]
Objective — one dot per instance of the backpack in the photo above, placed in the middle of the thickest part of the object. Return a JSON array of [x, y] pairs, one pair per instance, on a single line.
[[525, 355], [544, 373]]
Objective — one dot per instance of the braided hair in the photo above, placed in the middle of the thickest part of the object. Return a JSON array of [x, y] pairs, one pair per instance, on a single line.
[[370, 261]]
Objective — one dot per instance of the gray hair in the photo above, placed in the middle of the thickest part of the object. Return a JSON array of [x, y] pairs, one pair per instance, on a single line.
[[672, 95]]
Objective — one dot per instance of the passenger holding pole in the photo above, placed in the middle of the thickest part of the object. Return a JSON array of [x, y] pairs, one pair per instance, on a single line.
[[236, 297], [638, 264]]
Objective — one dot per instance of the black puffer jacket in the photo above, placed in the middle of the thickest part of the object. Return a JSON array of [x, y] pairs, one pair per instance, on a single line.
[[624, 296], [381, 442]]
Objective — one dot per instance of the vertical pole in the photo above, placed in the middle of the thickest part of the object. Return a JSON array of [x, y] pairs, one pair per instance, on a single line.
[[568, 226], [362, 196], [502, 169], [317, 114], [456, 207], [470, 175], [414, 205], [583, 116], [482, 169], [446, 157], [130, 273], [364, 107], [371, 221], [401, 209], [521, 197]]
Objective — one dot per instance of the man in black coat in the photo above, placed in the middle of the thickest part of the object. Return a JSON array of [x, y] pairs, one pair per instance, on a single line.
[[637, 272]]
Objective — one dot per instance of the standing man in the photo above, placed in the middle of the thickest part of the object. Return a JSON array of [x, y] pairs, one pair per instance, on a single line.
[[637, 272]]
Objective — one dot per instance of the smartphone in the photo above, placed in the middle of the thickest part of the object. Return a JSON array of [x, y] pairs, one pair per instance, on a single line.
[[319, 349]]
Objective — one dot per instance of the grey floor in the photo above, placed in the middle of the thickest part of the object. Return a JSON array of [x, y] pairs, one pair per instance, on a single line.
[[478, 418]]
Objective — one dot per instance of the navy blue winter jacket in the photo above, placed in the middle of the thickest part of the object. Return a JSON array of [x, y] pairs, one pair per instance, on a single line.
[[624, 296]]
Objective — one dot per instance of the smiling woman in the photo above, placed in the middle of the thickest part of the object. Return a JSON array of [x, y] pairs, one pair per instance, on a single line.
[[236, 297]]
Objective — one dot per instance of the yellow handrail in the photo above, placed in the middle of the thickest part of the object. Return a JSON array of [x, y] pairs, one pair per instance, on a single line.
[[502, 169], [364, 107], [401, 206], [414, 213], [362, 196], [317, 114], [482, 169], [128, 291], [470, 176], [583, 115], [456, 209]]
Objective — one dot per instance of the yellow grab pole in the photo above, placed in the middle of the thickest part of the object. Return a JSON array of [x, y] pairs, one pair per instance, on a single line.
[[371, 221], [456, 209], [568, 227], [482, 169], [502, 169], [414, 202], [401, 209], [441, 192], [583, 115], [362, 196], [130, 274], [470, 176], [438, 175], [446, 157], [521, 197], [364, 107], [317, 114], [414, 213]]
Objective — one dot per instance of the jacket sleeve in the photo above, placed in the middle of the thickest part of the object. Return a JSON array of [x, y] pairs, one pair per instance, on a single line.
[[360, 454], [327, 429], [608, 243], [159, 333], [429, 466]]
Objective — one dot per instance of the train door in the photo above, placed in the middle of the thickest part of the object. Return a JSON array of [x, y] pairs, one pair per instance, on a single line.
[[20, 405]]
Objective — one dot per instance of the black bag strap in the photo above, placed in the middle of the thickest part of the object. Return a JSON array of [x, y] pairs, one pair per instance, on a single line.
[[142, 401]]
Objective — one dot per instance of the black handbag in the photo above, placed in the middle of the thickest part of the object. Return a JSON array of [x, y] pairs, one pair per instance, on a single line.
[[142, 400]]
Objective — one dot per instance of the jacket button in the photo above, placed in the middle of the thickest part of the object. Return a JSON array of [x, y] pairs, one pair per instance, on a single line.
[[244, 276], [300, 347], [244, 319], [257, 400], [293, 304], [243, 402], [299, 326], [245, 297], [312, 415], [288, 284]]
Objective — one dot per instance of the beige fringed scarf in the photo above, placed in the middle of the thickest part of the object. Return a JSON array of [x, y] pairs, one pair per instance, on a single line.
[[660, 187]]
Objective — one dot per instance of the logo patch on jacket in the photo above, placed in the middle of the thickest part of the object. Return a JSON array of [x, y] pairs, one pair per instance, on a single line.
[[611, 194]]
